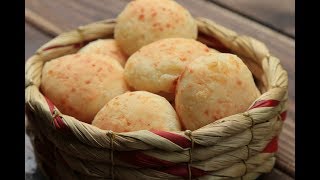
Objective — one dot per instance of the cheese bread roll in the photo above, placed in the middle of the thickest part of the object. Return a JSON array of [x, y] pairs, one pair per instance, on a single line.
[[145, 21], [107, 47], [81, 84], [157, 66], [138, 110], [212, 87]]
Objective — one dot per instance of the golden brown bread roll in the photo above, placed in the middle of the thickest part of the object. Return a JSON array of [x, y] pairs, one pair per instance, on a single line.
[[139, 110], [145, 21], [81, 84], [107, 47], [212, 87], [157, 66]]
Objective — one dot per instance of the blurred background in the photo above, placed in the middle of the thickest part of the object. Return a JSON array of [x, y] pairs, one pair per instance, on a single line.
[[272, 22], [275, 14]]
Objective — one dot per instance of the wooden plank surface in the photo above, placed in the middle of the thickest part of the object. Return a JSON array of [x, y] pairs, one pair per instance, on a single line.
[[279, 15], [33, 40], [52, 17]]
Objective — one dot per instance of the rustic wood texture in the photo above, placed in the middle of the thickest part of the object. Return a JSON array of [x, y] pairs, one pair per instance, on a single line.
[[53, 17], [33, 40], [279, 15]]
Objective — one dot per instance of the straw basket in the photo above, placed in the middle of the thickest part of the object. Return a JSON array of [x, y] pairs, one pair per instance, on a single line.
[[240, 146]]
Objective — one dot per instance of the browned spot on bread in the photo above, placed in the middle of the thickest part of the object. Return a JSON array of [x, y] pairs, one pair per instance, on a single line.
[[141, 17], [155, 24], [93, 65], [239, 82], [191, 70], [73, 89], [87, 81], [100, 69], [168, 25], [206, 112], [206, 49], [183, 58], [154, 14], [161, 29], [50, 72]]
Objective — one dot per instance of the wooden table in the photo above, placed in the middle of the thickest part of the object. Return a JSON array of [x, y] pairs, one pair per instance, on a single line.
[[271, 22]]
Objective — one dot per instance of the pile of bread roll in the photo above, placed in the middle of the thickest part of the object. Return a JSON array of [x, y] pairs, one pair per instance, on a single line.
[[154, 75]]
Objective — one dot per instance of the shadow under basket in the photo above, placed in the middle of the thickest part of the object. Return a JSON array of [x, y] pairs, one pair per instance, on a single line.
[[241, 146]]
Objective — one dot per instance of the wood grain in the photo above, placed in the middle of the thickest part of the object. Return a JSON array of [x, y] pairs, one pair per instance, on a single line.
[[59, 15], [279, 15], [33, 40]]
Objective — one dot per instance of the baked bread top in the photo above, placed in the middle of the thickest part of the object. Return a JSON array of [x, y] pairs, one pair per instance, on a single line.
[[81, 84], [212, 87], [139, 110], [145, 21]]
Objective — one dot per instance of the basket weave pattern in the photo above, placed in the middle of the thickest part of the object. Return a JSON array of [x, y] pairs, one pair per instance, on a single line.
[[240, 146]]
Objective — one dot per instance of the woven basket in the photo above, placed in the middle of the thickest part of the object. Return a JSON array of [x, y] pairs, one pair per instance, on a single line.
[[240, 146]]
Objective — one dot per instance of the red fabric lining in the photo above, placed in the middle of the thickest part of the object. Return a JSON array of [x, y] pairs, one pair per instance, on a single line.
[[283, 115], [175, 138], [272, 146], [265, 103], [58, 122], [142, 160]]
